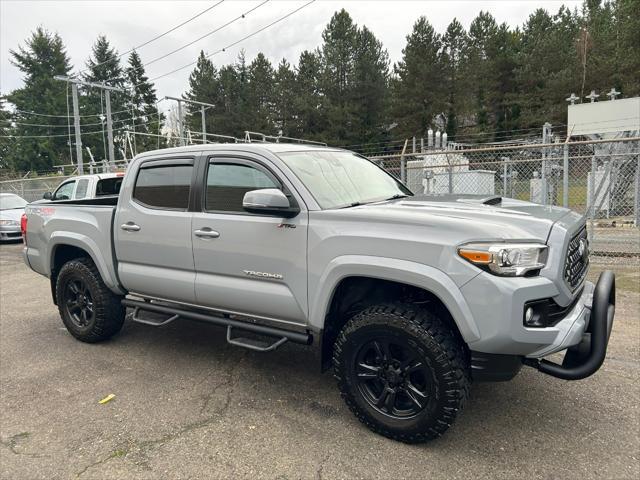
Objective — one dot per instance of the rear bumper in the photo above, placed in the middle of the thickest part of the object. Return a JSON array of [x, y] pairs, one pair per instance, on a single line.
[[586, 357], [10, 233]]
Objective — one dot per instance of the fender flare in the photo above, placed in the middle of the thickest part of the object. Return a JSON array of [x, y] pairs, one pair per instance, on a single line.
[[422, 276], [85, 243]]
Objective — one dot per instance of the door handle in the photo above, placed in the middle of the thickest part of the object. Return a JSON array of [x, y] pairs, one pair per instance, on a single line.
[[206, 233], [130, 227]]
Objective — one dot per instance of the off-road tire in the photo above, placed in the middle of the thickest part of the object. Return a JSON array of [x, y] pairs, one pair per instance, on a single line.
[[434, 341], [108, 313]]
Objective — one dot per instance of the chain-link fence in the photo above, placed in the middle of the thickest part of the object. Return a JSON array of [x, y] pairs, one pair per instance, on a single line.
[[600, 179], [32, 189]]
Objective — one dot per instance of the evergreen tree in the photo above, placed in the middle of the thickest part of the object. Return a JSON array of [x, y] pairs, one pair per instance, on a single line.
[[261, 95], [104, 67], [482, 32], [42, 57], [203, 87], [547, 70], [370, 83], [307, 101], [455, 44], [6, 129], [627, 52], [338, 54], [141, 101], [418, 88], [284, 92]]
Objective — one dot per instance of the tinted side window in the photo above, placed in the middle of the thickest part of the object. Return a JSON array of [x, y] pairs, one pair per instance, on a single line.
[[227, 183], [81, 189], [164, 187], [109, 186], [64, 191]]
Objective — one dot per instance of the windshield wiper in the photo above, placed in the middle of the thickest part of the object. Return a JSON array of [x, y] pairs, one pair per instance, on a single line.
[[397, 195]]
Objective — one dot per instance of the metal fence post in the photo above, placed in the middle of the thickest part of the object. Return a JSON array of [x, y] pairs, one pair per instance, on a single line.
[[636, 204], [592, 188], [565, 177], [450, 174], [504, 176]]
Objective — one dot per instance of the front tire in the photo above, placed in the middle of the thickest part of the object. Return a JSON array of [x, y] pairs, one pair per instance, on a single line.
[[90, 311], [402, 371]]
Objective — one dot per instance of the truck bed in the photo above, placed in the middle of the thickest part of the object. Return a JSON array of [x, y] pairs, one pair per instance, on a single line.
[[85, 224]]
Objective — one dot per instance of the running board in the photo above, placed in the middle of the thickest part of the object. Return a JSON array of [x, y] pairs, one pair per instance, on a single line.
[[174, 313]]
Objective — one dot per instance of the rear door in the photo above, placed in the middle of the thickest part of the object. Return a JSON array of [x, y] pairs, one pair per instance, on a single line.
[[152, 230], [247, 263]]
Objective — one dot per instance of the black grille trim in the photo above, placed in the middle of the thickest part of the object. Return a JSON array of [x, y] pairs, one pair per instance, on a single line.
[[576, 265]]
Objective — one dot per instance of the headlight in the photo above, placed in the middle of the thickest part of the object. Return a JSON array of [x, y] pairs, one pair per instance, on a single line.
[[6, 223], [505, 259]]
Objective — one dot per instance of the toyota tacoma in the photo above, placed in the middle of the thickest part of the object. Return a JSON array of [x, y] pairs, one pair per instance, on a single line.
[[407, 298]]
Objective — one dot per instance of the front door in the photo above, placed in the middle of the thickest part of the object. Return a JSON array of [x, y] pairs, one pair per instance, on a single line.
[[247, 263], [152, 231]]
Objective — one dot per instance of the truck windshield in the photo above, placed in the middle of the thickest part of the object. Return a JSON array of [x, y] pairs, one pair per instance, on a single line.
[[343, 179]]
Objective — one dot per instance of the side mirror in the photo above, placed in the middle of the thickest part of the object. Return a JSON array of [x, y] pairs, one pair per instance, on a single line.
[[269, 201], [47, 196]]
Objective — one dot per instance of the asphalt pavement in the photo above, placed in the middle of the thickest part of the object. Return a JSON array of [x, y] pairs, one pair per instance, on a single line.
[[187, 405]]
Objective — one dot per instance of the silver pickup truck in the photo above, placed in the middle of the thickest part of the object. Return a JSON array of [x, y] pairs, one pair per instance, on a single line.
[[407, 298]]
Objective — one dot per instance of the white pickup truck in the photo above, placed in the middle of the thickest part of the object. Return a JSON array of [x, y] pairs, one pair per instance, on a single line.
[[408, 298], [86, 186]]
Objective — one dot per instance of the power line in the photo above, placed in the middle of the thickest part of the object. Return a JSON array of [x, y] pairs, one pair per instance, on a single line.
[[215, 30], [156, 37], [236, 42]]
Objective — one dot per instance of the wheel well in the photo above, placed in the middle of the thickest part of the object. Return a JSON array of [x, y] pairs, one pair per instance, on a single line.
[[61, 255], [354, 294]]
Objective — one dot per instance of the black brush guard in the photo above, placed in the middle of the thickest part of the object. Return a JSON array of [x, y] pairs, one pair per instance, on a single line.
[[586, 358]]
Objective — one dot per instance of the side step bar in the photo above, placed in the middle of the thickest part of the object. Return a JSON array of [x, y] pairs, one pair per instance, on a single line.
[[220, 320]]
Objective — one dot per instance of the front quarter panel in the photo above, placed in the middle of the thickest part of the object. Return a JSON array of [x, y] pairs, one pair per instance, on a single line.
[[411, 273]]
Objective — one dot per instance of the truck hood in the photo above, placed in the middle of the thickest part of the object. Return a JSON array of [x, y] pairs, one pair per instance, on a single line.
[[469, 217]]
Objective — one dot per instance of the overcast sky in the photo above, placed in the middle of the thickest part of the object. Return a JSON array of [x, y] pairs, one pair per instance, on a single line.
[[128, 24]]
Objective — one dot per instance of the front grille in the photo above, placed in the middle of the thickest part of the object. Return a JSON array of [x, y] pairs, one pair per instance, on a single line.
[[577, 262]]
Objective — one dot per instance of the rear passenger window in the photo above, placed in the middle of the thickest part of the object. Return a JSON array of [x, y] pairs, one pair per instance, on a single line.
[[81, 188], [227, 183], [109, 186], [164, 186]]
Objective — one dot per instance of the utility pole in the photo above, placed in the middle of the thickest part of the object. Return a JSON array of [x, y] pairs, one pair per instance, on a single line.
[[112, 156], [202, 110], [76, 114], [76, 127]]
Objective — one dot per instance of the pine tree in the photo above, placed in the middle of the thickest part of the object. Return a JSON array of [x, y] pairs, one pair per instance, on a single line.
[[260, 95], [5, 143], [419, 85], [627, 27], [338, 54], [104, 67], [203, 87], [482, 32], [370, 83], [141, 102], [42, 57], [307, 101], [284, 85], [455, 44]]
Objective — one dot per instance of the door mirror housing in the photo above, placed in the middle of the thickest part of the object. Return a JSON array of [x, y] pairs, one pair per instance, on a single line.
[[269, 201], [47, 196]]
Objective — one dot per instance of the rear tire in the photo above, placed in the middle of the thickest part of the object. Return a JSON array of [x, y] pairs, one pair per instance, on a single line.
[[402, 371], [90, 311]]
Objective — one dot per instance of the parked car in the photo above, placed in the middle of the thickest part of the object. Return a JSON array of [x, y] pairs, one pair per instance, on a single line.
[[408, 298], [86, 186], [11, 210]]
